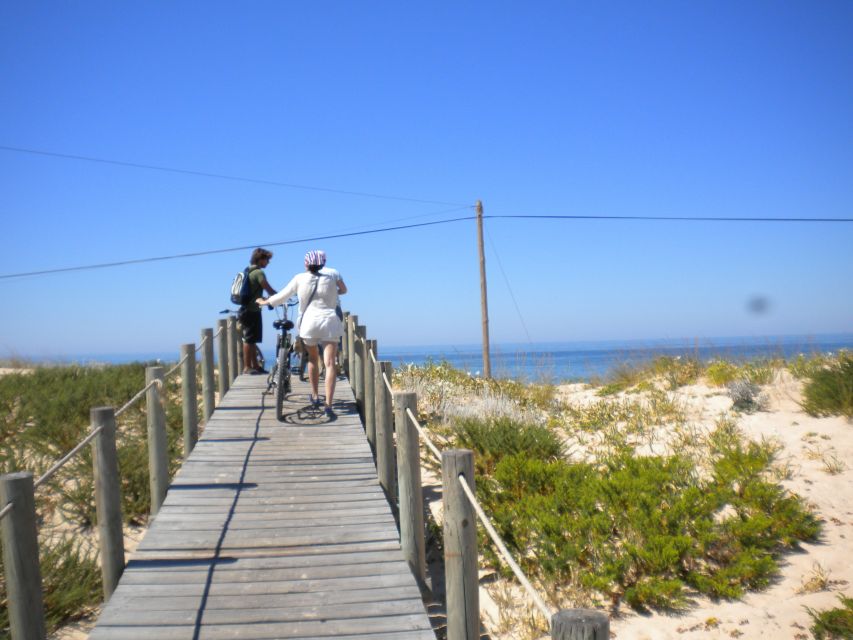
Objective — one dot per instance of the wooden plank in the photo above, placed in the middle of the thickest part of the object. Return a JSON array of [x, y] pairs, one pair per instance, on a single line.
[[271, 530]]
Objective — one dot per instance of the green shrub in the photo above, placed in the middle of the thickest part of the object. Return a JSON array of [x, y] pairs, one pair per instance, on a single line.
[[645, 529], [720, 372], [496, 438], [677, 371], [834, 623], [829, 390]]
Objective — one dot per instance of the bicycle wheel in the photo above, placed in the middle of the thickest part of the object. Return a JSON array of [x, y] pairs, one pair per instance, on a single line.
[[282, 382]]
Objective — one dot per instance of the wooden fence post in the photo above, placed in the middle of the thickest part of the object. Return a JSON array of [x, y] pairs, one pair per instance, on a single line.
[[353, 372], [580, 624], [21, 558], [232, 349], [108, 498], [370, 394], [411, 503], [384, 410], [224, 375], [207, 393], [345, 346], [460, 547], [189, 398], [360, 366], [158, 468]]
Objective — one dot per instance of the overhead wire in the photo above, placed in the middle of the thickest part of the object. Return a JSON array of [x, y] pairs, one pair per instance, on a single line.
[[508, 286], [668, 218], [195, 254], [220, 176]]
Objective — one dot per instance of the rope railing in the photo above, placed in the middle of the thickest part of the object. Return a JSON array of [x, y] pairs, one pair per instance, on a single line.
[[6, 510], [65, 459], [201, 344], [435, 451], [130, 402], [504, 552], [388, 384], [176, 367]]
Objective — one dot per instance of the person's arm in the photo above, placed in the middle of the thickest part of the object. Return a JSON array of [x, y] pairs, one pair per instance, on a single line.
[[266, 286], [342, 287], [281, 296]]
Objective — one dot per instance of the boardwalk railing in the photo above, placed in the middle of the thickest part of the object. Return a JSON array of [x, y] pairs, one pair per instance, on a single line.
[[377, 402], [17, 490]]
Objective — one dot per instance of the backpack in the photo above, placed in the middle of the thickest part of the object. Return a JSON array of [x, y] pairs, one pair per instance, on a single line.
[[241, 288]]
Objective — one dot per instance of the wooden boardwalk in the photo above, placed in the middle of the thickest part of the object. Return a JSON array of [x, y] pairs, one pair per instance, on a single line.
[[271, 530]]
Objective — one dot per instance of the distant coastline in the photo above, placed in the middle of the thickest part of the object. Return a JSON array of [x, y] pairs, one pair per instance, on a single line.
[[554, 361]]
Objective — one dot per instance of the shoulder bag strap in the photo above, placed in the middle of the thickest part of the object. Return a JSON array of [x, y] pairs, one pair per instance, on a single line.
[[310, 298]]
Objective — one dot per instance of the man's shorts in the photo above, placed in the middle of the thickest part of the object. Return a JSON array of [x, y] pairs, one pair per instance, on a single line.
[[253, 328]]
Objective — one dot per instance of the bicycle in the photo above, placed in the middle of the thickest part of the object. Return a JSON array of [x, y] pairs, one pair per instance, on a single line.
[[279, 377]]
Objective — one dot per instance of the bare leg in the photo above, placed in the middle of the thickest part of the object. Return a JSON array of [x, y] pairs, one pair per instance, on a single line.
[[314, 369], [250, 357], [330, 352]]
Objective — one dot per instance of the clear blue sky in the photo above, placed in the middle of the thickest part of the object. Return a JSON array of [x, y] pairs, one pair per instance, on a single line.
[[606, 108]]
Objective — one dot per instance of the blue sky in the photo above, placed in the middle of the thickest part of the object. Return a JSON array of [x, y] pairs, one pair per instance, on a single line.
[[557, 108]]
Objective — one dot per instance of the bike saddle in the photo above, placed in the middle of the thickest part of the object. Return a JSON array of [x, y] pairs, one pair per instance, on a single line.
[[287, 324]]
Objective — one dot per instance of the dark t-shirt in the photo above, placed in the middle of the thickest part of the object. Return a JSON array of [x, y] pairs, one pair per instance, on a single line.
[[257, 277]]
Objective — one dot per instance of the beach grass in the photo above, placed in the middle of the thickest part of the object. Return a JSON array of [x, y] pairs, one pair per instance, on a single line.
[[44, 413]]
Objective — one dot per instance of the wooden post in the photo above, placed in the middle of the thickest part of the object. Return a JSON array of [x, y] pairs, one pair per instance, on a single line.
[[232, 349], [21, 558], [360, 366], [460, 546], [580, 624], [158, 467], [224, 375], [411, 502], [108, 498], [345, 346], [207, 394], [189, 398], [352, 322], [370, 394], [484, 304], [384, 411]]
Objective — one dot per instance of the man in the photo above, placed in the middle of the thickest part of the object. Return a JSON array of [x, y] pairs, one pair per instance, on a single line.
[[250, 314]]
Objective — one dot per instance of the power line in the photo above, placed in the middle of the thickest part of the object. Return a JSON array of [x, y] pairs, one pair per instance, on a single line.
[[195, 254], [675, 218], [509, 288], [205, 174]]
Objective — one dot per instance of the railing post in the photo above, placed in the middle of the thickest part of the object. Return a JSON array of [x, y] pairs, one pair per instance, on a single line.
[[21, 558], [582, 624], [411, 503], [360, 366], [108, 498], [352, 321], [385, 432], [345, 346], [232, 349], [158, 468], [460, 546], [224, 375], [370, 394], [207, 393], [189, 398]]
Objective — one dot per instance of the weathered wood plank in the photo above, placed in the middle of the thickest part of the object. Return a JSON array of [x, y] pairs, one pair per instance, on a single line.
[[271, 530]]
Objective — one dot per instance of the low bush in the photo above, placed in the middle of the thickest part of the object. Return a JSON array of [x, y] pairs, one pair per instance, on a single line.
[[833, 624], [745, 395], [645, 530], [829, 389]]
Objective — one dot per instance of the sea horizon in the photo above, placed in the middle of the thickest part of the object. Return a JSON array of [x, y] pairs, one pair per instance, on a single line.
[[543, 361]]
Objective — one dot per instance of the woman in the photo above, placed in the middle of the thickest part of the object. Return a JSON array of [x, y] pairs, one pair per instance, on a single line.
[[319, 325]]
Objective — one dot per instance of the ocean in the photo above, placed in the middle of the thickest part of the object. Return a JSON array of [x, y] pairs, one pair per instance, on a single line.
[[582, 361], [561, 361]]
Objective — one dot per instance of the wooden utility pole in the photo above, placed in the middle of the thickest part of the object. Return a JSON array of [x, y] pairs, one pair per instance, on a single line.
[[484, 303]]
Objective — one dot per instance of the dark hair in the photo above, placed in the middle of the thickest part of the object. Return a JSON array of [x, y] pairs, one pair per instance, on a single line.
[[314, 268], [260, 254]]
